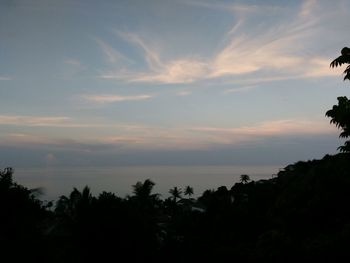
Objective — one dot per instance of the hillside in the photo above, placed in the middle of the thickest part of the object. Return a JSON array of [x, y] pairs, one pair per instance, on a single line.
[[302, 213]]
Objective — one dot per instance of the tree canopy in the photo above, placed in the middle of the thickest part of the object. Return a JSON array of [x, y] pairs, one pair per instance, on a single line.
[[340, 114], [344, 58]]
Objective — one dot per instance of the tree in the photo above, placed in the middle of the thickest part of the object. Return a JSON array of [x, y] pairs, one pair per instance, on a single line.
[[76, 204], [144, 199], [244, 178], [176, 193], [22, 221], [189, 191], [6, 178], [340, 114], [143, 190], [343, 59]]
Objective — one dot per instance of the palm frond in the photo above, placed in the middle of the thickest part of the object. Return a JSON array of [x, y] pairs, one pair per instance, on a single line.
[[340, 61]]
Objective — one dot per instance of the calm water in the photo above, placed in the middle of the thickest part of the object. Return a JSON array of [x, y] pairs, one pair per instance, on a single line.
[[58, 181]]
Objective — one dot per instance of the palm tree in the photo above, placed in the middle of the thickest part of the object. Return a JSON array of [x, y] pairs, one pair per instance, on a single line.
[[6, 178], [189, 191], [343, 59], [176, 193], [244, 178], [143, 190], [76, 203]]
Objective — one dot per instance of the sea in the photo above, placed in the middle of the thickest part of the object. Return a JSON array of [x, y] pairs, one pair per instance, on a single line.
[[55, 182]]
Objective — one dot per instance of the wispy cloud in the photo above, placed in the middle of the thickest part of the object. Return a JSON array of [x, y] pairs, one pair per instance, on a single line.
[[275, 52], [240, 89], [184, 93], [111, 54], [15, 139], [33, 120], [72, 62], [177, 71], [184, 70], [140, 137], [289, 127], [72, 67], [116, 98], [151, 56], [67, 122], [308, 8], [237, 8], [5, 78]]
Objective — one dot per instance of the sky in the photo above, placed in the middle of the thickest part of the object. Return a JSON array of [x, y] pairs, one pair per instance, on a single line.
[[108, 83]]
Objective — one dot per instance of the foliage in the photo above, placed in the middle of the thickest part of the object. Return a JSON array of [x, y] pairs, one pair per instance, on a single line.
[[343, 59], [143, 190], [299, 215], [176, 193], [22, 216], [244, 178], [340, 114], [189, 191]]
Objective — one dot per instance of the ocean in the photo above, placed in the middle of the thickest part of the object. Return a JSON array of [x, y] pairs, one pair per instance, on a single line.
[[60, 181]]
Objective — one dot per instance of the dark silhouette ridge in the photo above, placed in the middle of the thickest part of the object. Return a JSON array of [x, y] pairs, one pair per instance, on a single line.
[[300, 214]]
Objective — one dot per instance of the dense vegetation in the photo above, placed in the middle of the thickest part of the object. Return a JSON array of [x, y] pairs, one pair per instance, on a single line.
[[300, 214]]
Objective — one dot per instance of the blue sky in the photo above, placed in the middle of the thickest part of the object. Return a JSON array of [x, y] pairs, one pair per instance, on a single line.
[[168, 82]]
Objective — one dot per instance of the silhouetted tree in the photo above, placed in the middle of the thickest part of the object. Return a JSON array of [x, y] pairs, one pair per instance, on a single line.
[[143, 198], [340, 114], [301, 214], [76, 203], [244, 178], [188, 191], [21, 221], [343, 59], [6, 178], [176, 193], [143, 190]]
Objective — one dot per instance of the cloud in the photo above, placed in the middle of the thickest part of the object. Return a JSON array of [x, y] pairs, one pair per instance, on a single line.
[[184, 93], [72, 62], [33, 120], [131, 138], [177, 71], [5, 78], [236, 8], [184, 70], [267, 129], [48, 121], [112, 55], [22, 139], [240, 89], [307, 8], [275, 52], [235, 28], [147, 139], [116, 98], [319, 67], [71, 68], [151, 56]]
